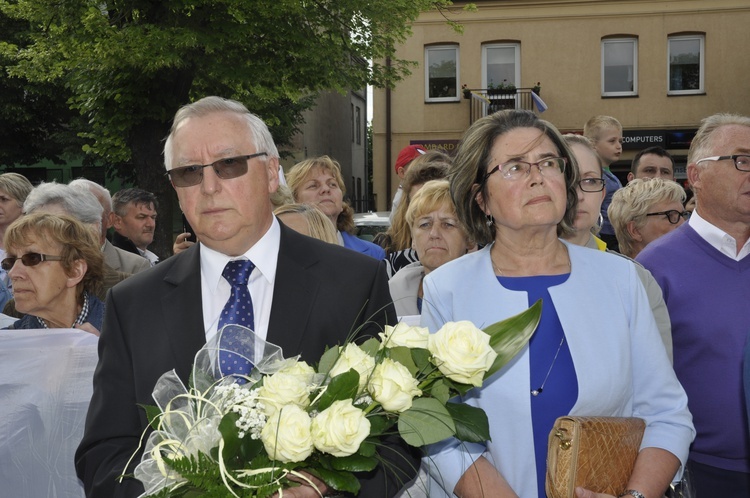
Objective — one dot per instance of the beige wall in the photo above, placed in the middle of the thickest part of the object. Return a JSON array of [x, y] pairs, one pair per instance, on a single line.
[[561, 47]]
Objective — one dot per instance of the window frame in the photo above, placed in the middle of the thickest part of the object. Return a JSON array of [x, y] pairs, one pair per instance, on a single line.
[[517, 60], [427, 49], [702, 64], [620, 39]]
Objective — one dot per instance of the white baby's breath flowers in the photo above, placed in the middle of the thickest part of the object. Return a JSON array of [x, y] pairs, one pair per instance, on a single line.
[[393, 386], [404, 335], [350, 357], [462, 352], [247, 403]]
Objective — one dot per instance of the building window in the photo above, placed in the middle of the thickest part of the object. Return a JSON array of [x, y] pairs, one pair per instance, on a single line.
[[441, 73], [352, 121], [358, 120], [619, 67], [501, 64], [686, 64]]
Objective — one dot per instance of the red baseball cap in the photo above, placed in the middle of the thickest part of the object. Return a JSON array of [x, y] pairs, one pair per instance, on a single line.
[[408, 154]]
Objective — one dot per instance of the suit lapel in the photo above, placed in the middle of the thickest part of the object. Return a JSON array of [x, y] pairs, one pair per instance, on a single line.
[[182, 309], [295, 291]]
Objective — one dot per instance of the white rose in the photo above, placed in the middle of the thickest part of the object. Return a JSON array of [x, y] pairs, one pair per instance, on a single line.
[[462, 352], [286, 437], [284, 388], [302, 369], [353, 357], [393, 386], [340, 429], [404, 335]]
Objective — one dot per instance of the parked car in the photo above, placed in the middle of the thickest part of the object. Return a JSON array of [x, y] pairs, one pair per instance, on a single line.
[[370, 224]]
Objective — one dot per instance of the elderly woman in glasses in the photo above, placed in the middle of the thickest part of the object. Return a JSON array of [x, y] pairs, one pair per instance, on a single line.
[[644, 210], [591, 193], [56, 265], [596, 351]]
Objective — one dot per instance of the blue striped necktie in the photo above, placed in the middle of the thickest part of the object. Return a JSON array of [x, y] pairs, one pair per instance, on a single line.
[[237, 311]]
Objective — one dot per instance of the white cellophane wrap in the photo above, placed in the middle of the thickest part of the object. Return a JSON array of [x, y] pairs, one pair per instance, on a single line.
[[45, 392], [190, 418]]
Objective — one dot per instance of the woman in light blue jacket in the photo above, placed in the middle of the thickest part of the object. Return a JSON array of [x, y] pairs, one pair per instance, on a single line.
[[597, 350]]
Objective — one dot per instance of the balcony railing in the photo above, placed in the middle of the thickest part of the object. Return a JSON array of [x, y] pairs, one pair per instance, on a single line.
[[484, 101]]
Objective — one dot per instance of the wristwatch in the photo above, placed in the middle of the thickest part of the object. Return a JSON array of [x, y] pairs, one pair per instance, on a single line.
[[633, 493]]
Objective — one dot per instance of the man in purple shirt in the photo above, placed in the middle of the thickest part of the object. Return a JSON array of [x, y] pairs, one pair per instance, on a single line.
[[703, 268]]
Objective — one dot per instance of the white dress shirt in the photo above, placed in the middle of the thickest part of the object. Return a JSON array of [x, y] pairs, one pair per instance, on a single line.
[[718, 238], [150, 256], [215, 290]]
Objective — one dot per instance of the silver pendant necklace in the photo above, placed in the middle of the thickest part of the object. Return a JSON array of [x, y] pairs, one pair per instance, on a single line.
[[538, 390]]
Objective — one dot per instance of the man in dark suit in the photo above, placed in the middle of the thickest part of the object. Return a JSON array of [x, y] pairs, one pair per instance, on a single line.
[[306, 294]]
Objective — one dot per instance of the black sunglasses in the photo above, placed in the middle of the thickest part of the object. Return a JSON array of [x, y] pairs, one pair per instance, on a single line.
[[226, 169], [28, 259], [672, 215]]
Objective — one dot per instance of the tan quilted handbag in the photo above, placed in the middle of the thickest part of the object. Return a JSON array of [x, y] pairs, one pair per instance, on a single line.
[[597, 453]]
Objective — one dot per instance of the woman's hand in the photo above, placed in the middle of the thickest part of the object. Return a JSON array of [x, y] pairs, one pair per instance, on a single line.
[[585, 493], [654, 470], [181, 243], [87, 327], [483, 479]]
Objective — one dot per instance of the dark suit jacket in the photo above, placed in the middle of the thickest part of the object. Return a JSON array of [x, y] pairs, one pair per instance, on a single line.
[[154, 323]]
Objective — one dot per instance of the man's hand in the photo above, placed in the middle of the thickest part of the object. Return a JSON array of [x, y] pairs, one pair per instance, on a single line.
[[311, 488], [87, 327], [181, 243]]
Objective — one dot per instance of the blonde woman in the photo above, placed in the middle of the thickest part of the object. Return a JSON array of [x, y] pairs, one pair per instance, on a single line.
[[318, 181], [307, 220], [437, 237]]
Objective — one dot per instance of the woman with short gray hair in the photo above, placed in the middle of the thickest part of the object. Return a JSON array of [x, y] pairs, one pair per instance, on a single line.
[[644, 210]]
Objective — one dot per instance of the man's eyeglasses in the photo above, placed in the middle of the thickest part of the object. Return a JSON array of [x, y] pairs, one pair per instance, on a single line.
[[226, 169], [515, 170], [592, 184], [672, 215], [28, 259], [741, 161]]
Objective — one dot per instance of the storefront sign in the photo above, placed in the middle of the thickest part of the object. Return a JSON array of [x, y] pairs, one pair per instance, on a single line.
[[447, 146]]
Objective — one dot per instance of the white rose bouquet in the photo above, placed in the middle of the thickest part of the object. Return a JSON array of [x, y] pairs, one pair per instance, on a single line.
[[254, 436]]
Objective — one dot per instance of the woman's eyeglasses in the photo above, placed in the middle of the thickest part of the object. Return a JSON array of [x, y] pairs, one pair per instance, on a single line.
[[226, 169], [672, 215], [28, 259], [515, 170], [592, 184]]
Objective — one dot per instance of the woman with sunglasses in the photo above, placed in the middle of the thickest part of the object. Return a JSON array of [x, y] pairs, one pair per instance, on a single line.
[[596, 351], [644, 210], [56, 265]]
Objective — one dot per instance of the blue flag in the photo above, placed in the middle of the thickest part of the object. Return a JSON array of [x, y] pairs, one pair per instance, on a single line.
[[538, 102]]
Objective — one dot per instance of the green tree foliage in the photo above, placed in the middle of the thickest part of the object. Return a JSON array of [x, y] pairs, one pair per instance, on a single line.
[[126, 66], [35, 119]]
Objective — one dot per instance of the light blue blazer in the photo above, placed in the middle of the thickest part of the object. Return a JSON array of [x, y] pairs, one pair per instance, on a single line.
[[620, 361]]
